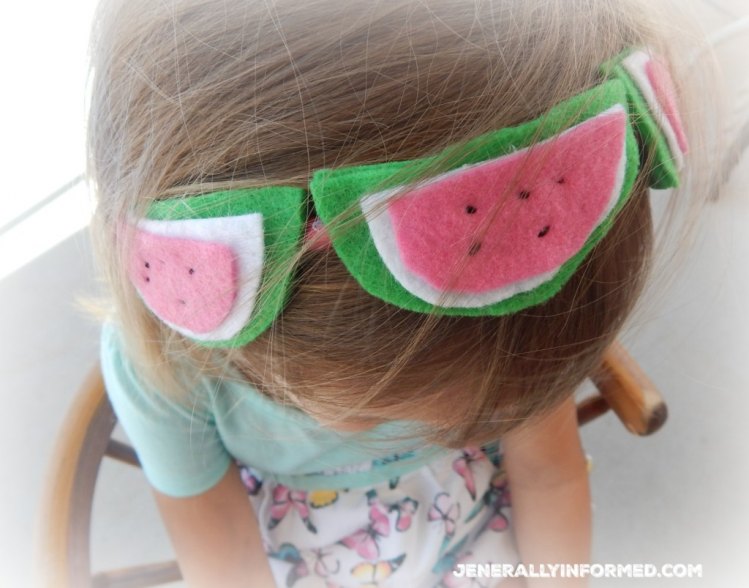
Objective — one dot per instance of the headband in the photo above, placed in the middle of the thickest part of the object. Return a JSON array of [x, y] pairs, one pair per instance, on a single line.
[[503, 228]]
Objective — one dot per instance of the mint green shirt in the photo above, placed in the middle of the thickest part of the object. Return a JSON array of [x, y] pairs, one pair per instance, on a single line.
[[185, 447]]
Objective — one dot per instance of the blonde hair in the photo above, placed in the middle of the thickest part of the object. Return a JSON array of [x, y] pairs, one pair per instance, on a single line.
[[198, 95]]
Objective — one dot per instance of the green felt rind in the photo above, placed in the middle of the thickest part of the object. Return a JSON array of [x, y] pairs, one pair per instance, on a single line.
[[283, 210], [663, 172], [336, 194]]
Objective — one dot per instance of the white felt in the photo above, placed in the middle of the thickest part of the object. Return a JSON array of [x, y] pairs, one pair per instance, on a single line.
[[244, 235], [635, 66], [383, 235]]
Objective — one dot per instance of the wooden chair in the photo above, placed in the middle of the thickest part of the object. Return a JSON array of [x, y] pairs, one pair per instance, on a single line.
[[86, 439]]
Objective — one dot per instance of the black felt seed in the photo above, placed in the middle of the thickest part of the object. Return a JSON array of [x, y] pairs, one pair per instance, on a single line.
[[474, 249], [560, 181], [524, 195], [543, 231], [148, 279], [471, 209], [148, 265], [192, 271]]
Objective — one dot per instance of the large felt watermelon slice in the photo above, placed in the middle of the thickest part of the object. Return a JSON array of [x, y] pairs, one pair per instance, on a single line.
[[653, 101], [199, 263], [504, 228], [488, 231]]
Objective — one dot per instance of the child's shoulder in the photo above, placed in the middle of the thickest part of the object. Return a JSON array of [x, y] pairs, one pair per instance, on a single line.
[[227, 398], [224, 419], [125, 382]]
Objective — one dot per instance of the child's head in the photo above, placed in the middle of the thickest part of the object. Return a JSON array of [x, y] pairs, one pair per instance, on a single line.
[[196, 96]]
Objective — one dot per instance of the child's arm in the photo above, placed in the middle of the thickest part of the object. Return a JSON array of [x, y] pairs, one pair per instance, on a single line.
[[548, 478], [216, 537]]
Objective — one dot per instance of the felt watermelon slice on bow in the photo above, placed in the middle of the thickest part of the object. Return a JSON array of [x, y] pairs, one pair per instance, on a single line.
[[653, 102], [208, 266], [491, 230], [187, 272], [506, 227]]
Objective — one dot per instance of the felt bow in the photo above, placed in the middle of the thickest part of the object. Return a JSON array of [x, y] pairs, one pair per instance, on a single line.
[[487, 227]]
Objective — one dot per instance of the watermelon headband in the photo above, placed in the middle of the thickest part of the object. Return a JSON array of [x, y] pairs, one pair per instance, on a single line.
[[218, 267]]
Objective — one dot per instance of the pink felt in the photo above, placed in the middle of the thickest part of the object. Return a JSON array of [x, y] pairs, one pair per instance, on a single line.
[[664, 89], [317, 235], [188, 283], [547, 201]]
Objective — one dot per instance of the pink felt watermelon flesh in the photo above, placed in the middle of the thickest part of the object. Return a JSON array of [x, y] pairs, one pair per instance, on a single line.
[[663, 86], [656, 86], [186, 282], [491, 230], [200, 276]]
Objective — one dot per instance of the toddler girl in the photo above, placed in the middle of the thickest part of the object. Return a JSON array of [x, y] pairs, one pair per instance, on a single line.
[[361, 255]]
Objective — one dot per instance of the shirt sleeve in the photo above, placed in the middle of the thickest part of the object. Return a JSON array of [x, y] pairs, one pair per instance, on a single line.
[[178, 445]]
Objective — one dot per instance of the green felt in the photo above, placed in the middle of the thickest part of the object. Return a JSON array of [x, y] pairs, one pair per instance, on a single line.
[[283, 220], [337, 192], [663, 172]]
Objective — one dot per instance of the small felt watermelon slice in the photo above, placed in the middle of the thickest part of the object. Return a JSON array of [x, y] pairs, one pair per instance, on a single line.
[[653, 100], [488, 231], [216, 267], [200, 276]]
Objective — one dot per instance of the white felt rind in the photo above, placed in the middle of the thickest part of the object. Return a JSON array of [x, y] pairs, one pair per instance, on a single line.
[[244, 236], [383, 235], [635, 66]]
